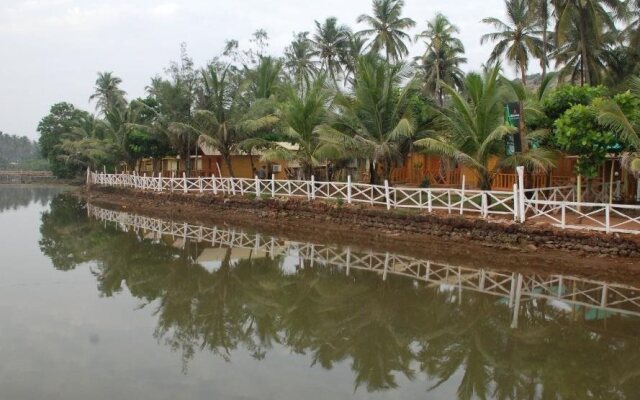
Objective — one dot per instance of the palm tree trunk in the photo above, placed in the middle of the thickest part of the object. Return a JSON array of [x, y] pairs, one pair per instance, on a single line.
[[544, 9], [485, 181], [373, 178], [227, 160], [522, 127]]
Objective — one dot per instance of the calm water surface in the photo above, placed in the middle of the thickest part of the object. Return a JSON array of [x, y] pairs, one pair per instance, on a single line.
[[96, 304]]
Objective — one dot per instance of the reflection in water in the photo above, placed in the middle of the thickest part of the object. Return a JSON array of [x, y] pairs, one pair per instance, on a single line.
[[13, 197], [498, 335]]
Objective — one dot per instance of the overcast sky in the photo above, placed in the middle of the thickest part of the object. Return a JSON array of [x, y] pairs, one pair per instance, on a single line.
[[51, 50]]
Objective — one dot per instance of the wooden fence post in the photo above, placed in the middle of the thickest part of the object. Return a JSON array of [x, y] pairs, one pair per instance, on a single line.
[[429, 201], [349, 189], [88, 177], [607, 217], [213, 184], [386, 194], [257, 185]]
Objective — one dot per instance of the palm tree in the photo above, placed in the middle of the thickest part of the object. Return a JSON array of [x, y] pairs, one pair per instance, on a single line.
[[517, 38], [613, 116], [472, 131], [441, 61], [107, 92], [299, 61], [302, 115], [222, 122], [585, 61], [265, 78], [349, 57], [580, 26], [330, 41], [543, 8], [387, 28], [376, 117]]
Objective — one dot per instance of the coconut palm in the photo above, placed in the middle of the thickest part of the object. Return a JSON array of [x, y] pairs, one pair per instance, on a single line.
[[441, 61], [265, 78], [299, 61], [584, 62], [302, 115], [330, 41], [517, 38], [472, 131], [581, 26], [625, 124], [349, 58], [376, 117], [387, 28], [542, 9], [223, 122], [107, 92]]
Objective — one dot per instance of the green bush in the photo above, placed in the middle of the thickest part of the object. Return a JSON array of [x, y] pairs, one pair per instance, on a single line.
[[565, 97], [578, 132]]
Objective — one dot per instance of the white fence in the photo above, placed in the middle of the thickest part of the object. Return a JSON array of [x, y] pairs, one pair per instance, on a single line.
[[554, 205], [451, 200]]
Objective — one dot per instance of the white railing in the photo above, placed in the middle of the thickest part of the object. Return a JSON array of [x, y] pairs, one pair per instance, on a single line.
[[623, 218], [511, 286], [451, 200], [555, 205]]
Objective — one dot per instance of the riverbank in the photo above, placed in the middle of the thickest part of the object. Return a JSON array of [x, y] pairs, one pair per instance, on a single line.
[[491, 244]]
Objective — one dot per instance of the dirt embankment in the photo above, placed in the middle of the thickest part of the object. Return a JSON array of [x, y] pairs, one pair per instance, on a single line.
[[451, 239]]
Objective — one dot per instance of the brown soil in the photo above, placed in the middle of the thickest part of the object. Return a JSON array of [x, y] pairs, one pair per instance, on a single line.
[[325, 223]]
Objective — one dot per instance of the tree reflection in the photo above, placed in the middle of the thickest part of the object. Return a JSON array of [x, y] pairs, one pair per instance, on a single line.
[[385, 329], [18, 196]]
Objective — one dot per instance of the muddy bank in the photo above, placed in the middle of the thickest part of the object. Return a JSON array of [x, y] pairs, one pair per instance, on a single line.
[[449, 239]]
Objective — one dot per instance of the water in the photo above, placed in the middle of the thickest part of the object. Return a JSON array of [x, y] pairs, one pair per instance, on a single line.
[[102, 305]]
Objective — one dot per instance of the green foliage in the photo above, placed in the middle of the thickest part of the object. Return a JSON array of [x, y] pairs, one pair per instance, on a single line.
[[579, 133], [15, 151], [565, 97], [62, 119], [472, 131]]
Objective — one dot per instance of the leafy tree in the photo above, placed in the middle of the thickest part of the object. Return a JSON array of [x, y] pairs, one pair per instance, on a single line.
[[17, 150], [578, 132], [387, 28], [62, 119], [565, 97]]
